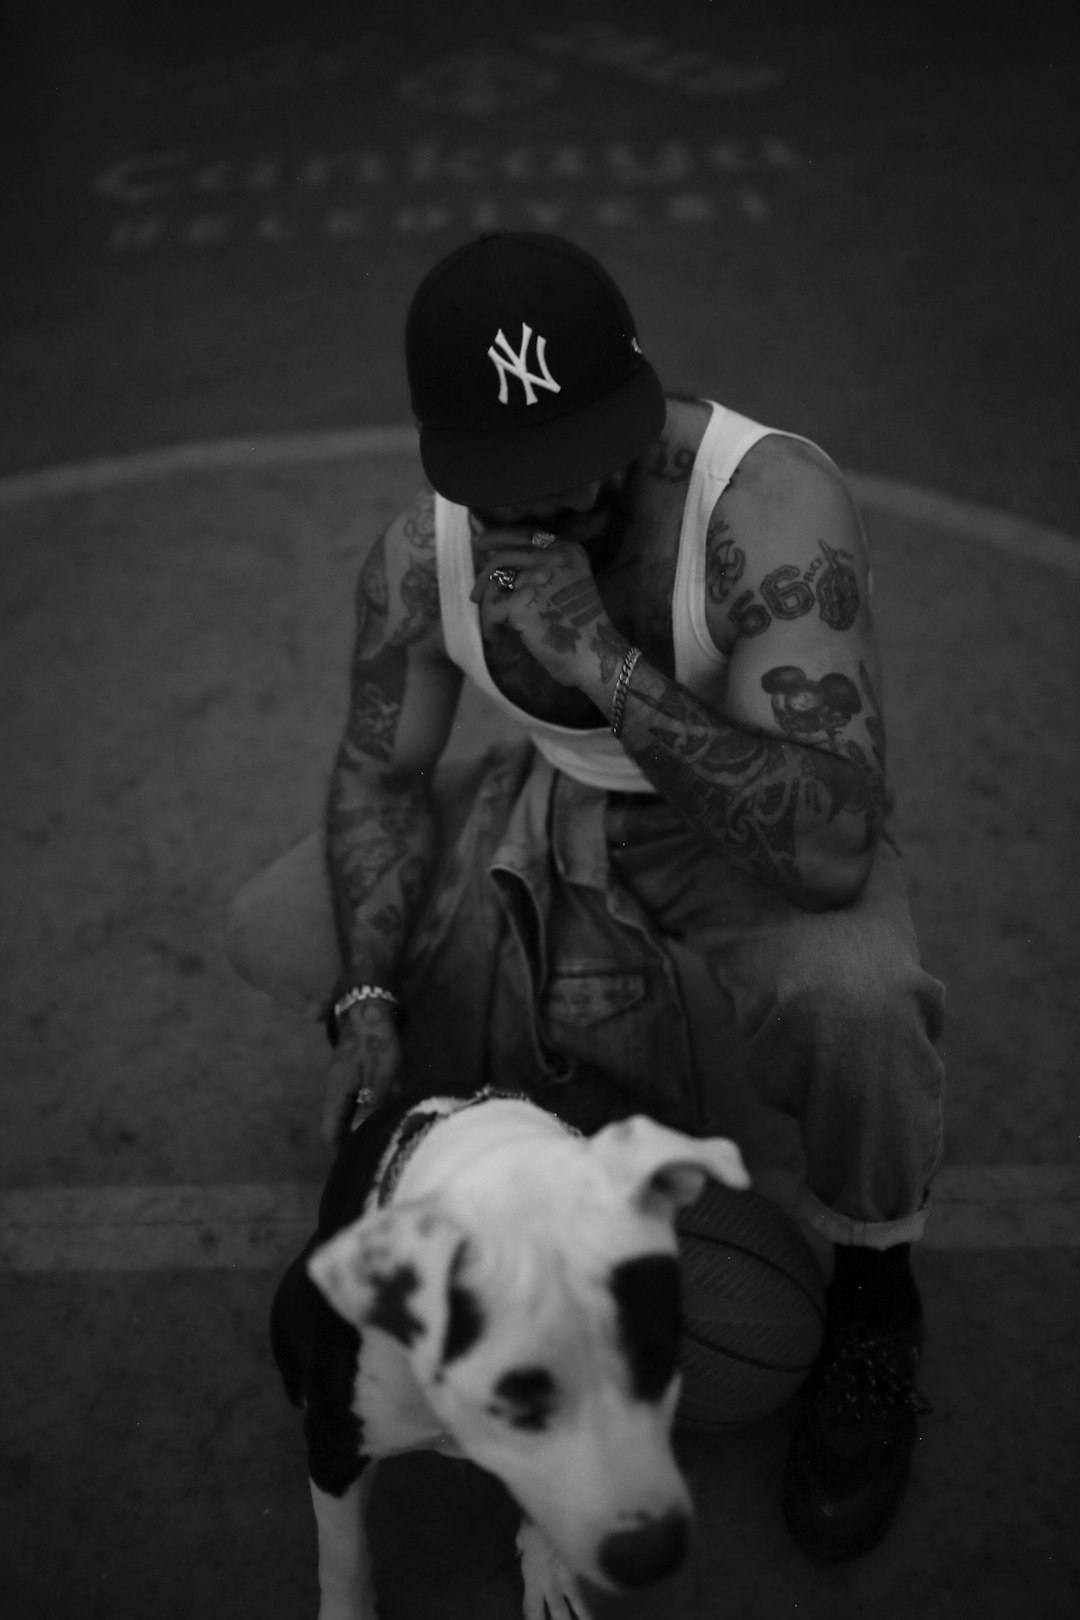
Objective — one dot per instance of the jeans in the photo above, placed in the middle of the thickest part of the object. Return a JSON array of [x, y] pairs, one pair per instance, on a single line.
[[592, 950]]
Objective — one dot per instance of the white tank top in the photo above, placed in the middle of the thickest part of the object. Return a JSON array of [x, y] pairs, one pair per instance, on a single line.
[[594, 756]]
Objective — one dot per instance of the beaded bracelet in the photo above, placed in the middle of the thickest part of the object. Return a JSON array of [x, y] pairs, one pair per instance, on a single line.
[[353, 998], [618, 702]]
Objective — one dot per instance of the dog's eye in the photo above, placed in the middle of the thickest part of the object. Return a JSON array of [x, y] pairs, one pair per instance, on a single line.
[[525, 1397], [646, 1292]]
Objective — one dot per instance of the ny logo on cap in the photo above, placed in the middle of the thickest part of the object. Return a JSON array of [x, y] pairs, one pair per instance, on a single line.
[[509, 364]]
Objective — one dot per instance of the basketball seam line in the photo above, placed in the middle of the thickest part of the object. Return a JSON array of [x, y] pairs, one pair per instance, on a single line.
[[749, 1361], [754, 1254]]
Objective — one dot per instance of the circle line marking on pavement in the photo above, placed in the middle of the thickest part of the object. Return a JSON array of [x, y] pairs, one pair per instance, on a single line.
[[1002, 531]]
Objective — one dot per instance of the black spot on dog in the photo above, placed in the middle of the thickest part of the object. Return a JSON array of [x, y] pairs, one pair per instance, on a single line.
[[646, 1293], [465, 1320], [527, 1397], [391, 1311]]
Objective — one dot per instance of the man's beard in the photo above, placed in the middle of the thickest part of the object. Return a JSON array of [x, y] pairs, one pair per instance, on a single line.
[[611, 502]]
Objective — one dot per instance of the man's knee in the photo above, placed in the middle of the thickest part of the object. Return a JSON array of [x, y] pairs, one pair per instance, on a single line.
[[854, 981], [279, 930], [851, 1053]]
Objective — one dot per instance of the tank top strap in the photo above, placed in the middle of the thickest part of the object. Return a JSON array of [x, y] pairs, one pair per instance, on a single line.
[[460, 620]]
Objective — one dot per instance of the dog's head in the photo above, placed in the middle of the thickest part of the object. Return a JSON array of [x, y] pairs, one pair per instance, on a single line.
[[537, 1302]]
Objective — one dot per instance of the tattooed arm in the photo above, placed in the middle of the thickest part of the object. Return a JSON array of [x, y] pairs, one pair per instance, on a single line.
[[379, 822], [784, 772], [787, 777], [795, 815]]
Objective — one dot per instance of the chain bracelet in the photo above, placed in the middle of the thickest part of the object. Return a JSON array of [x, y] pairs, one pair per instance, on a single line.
[[618, 703]]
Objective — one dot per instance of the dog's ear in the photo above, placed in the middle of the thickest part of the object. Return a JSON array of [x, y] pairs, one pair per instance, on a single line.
[[392, 1270], [661, 1169]]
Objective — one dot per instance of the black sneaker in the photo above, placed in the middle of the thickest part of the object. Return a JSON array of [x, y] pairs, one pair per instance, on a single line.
[[854, 1436]]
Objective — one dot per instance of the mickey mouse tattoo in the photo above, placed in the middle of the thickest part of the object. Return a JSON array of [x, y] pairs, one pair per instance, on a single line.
[[812, 711]]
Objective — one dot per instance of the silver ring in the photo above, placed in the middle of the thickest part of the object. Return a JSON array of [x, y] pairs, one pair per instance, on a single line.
[[503, 578], [543, 539]]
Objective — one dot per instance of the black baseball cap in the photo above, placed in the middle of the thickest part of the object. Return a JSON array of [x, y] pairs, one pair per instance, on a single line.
[[525, 371]]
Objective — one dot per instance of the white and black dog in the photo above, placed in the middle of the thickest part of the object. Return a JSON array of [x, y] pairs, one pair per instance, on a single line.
[[489, 1283]]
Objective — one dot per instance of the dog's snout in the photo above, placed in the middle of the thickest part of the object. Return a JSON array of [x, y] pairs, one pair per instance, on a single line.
[[635, 1557]]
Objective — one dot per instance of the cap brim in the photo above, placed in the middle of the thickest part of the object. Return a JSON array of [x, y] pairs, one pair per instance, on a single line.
[[532, 463]]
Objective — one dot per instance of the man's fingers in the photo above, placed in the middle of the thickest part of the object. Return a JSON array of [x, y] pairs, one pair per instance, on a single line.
[[345, 1109], [342, 1083], [362, 1072], [524, 579], [334, 1125], [503, 547], [508, 607], [491, 539]]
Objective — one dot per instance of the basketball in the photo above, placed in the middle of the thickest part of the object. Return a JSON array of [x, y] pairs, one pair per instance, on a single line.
[[753, 1300]]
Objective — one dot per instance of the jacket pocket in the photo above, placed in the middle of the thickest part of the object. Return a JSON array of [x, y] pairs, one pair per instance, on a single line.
[[583, 999]]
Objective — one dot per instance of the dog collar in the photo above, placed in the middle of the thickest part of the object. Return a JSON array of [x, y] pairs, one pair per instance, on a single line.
[[420, 1120]]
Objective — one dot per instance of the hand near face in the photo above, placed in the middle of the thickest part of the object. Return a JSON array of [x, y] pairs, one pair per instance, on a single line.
[[553, 603]]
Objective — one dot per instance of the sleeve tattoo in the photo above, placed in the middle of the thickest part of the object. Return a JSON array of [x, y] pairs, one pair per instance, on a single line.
[[379, 829], [755, 795]]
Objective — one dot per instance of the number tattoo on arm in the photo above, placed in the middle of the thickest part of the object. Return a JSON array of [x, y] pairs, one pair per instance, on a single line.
[[788, 592]]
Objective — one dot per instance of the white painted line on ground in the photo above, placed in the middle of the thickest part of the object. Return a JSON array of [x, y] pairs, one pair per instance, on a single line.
[[1016, 536], [213, 455], [259, 1228], [1006, 1207], [182, 1228]]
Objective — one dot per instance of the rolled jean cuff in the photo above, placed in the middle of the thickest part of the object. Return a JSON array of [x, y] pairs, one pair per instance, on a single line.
[[833, 1227]]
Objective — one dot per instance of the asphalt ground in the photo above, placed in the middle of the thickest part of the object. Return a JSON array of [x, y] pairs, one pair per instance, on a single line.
[[854, 221]]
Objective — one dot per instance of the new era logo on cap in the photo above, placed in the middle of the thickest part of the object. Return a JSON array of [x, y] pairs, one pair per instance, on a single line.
[[508, 364]]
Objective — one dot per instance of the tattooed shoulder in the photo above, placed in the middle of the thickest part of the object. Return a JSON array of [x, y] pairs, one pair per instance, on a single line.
[[418, 523], [398, 591], [378, 692], [418, 592]]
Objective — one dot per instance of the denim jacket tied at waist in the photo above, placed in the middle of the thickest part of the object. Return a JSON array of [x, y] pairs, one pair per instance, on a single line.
[[532, 968]]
